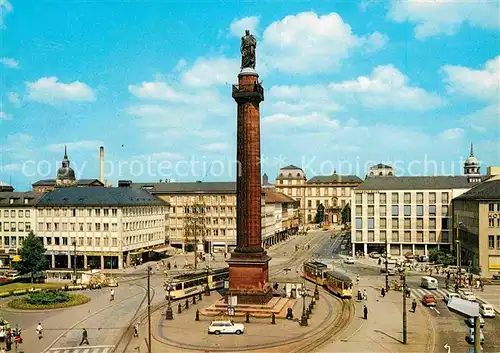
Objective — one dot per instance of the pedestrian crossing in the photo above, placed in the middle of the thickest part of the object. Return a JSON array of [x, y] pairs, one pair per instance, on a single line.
[[420, 292], [82, 349]]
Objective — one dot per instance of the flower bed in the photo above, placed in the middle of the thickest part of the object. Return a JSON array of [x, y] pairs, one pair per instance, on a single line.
[[48, 300]]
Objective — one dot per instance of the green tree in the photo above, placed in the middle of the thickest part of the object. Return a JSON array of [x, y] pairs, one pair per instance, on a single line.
[[320, 214], [440, 257], [33, 258], [345, 214]]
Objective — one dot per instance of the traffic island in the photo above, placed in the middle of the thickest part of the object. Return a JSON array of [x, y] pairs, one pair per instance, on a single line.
[[48, 300]]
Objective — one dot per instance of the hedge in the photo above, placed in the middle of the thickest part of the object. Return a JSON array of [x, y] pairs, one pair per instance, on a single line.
[[74, 299]]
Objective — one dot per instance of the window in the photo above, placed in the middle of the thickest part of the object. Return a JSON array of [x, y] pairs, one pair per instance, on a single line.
[[498, 222], [420, 197], [28, 226], [444, 198], [432, 223], [80, 227], [432, 197], [89, 241], [498, 242], [395, 197], [407, 197], [27, 214], [407, 223], [73, 212], [420, 210], [40, 226], [407, 210], [98, 227], [114, 227], [114, 212], [420, 237], [371, 223], [13, 226], [432, 237], [491, 241], [6, 214], [383, 223], [371, 236], [64, 240], [371, 210], [395, 210], [420, 223], [326, 203], [89, 227], [359, 210], [48, 226], [106, 212], [359, 235], [309, 217], [395, 236], [317, 203], [97, 241], [56, 227], [395, 223], [21, 213], [371, 198], [317, 192], [12, 214], [114, 242], [491, 222], [48, 241], [445, 237], [57, 241], [80, 241], [383, 235], [407, 237], [98, 212], [383, 198], [20, 226], [432, 210], [359, 198], [359, 222], [309, 203], [383, 211], [106, 242], [444, 210], [444, 223]]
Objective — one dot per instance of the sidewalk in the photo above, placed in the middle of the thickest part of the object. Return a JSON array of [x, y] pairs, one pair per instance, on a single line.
[[382, 332]]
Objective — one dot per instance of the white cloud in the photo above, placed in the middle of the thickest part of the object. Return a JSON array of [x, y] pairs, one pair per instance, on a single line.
[[308, 43], [314, 121], [159, 91], [481, 84], [387, 87], [14, 98], [216, 147], [75, 146], [451, 134], [5, 8], [10, 167], [207, 72], [4, 116], [159, 156], [375, 41], [238, 26], [484, 119], [181, 64], [296, 99], [49, 90], [444, 17], [18, 146], [9, 62]]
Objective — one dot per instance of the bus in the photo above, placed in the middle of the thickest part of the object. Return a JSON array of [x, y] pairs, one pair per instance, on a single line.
[[429, 282], [339, 284], [315, 271]]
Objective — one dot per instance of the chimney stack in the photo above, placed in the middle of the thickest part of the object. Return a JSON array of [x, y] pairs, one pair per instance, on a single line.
[[101, 164]]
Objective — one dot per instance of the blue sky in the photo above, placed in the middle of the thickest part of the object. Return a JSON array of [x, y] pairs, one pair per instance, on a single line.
[[347, 84]]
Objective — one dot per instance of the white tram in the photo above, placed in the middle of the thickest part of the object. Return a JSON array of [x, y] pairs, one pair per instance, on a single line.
[[189, 284]]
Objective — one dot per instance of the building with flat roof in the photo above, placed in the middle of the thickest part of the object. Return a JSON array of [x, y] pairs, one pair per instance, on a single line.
[[102, 227], [476, 220]]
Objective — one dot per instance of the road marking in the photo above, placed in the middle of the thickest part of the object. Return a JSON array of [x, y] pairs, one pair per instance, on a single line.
[[436, 310], [86, 351], [105, 348]]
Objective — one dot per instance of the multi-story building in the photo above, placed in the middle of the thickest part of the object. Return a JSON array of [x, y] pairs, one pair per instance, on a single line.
[[476, 222], [291, 181], [208, 210], [285, 217], [17, 219], [102, 227]]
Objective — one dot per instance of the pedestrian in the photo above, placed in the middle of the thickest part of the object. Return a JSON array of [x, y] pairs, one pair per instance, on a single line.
[[413, 305], [379, 261], [85, 338], [39, 331], [357, 279], [365, 294], [136, 330], [478, 284], [360, 296], [112, 295], [365, 312], [382, 292]]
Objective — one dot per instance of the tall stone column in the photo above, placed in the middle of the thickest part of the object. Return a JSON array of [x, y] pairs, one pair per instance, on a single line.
[[248, 265]]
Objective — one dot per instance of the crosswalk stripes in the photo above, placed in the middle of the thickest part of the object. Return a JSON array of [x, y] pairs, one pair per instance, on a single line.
[[82, 349], [420, 292]]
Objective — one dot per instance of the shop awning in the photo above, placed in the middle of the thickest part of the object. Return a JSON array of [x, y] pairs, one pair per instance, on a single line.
[[163, 249]]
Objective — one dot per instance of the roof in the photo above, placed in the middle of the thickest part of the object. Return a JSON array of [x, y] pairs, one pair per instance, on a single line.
[[487, 190], [339, 275], [225, 187], [18, 198], [335, 178], [380, 166], [52, 182], [416, 182], [291, 166], [277, 197], [77, 196]]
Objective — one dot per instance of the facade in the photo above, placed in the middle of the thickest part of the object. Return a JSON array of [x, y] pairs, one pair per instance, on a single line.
[[282, 218], [103, 227], [412, 213], [218, 219], [476, 221], [291, 181], [17, 219]]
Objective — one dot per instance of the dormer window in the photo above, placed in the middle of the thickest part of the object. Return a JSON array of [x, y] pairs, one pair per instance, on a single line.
[[11, 201], [26, 201], [289, 175]]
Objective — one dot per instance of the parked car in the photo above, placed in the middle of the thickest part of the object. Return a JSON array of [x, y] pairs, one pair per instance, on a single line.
[[429, 300], [349, 260], [487, 310], [374, 255], [449, 296], [423, 258], [392, 271], [470, 322], [467, 295], [470, 336], [496, 276], [226, 326]]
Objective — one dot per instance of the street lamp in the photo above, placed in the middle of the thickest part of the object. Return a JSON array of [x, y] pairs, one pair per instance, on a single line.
[[74, 260], [168, 314], [316, 291], [402, 277], [304, 293], [207, 287]]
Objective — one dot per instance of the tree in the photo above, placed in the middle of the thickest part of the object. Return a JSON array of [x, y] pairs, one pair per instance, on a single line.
[[345, 214], [320, 214], [33, 258], [440, 257]]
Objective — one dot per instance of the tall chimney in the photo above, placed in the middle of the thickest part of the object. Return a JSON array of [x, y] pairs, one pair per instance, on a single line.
[[101, 164]]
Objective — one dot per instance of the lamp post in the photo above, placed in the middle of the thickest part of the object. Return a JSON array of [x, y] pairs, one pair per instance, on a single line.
[[207, 287], [459, 263], [316, 292], [168, 313], [386, 265], [402, 277], [149, 309], [303, 293], [74, 260]]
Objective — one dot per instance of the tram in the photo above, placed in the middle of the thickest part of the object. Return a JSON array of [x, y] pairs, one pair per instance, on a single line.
[[315, 271], [189, 284], [339, 284]]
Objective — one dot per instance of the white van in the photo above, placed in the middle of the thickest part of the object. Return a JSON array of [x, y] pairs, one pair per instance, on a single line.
[[487, 310], [429, 282]]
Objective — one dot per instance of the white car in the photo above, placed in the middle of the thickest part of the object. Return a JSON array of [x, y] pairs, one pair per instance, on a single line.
[[449, 296], [349, 260], [487, 310], [470, 336], [470, 322], [467, 295], [220, 327]]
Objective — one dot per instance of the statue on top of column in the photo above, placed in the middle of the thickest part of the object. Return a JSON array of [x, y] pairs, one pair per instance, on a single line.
[[248, 45]]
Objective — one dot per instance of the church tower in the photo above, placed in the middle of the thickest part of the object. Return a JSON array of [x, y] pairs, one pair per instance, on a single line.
[[472, 166], [65, 174]]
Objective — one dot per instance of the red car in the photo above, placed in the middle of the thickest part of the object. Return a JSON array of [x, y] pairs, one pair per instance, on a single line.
[[429, 300]]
